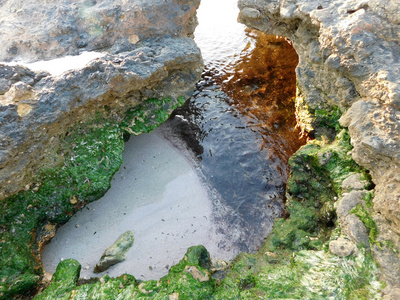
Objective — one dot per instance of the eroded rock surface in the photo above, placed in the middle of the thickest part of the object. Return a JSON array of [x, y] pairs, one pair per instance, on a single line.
[[36, 30], [349, 57], [37, 109]]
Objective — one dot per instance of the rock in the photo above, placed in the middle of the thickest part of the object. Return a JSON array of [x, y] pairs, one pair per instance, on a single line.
[[30, 134], [149, 55], [116, 253], [218, 265], [41, 30], [348, 202], [393, 294], [197, 274], [174, 296], [63, 281], [44, 234], [199, 256], [354, 182], [342, 247], [356, 230], [348, 57]]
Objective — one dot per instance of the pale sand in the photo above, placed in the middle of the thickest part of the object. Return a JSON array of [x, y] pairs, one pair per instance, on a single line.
[[158, 195]]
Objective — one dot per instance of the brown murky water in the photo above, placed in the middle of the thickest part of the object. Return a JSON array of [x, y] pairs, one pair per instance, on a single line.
[[262, 86]]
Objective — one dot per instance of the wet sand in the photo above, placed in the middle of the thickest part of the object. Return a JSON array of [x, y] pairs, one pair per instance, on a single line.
[[158, 195]]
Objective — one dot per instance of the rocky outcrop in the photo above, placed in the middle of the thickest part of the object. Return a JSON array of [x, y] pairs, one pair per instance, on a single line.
[[40, 30], [349, 57], [116, 253], [62, 137], [37, 109]]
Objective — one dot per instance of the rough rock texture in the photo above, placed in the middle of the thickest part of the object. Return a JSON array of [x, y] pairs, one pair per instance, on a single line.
[[349, 57], [116, 253], [341, 247], [36, 111], [39, 29], [55, 129], [150, 55]]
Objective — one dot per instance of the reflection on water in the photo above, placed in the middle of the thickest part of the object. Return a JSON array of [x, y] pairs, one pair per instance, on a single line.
[[241, 124]]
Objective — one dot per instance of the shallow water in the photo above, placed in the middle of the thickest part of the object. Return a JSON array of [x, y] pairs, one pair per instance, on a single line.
[[220, 178], [159, 196]]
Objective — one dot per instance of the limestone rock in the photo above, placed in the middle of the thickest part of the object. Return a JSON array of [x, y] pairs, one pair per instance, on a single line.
[[348, 202], [148, 55], [356, 230], [37, 30], [392, 295], [116, 253], [354, 182], [29, 137], [218, 265], [342, 247], [348, 57]]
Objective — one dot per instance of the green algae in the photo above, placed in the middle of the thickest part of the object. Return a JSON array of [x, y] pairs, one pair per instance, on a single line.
[[290, 265], [296, 275], [328, 118], [91, 154], [179, 281], [301, 275], [63, 281], [368, 221], [149, 115], [293, 262], [318, 170]]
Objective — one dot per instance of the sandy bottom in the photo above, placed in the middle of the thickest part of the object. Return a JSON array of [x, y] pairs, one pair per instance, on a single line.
[[158, 195]]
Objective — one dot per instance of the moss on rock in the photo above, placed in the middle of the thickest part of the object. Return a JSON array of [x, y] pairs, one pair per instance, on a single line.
[[180, 282], [92, 154]]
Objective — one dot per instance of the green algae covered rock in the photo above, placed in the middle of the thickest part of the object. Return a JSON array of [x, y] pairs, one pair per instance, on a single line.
[[94, 153], [116, 253], [303, 274], [189, 279], [63, 282], [314, 185]]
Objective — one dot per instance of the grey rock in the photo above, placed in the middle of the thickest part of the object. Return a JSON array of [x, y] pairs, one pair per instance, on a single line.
[[342, 247], [357, 231], [218, 265], [349, 57], [354, 182], [36, 30], [393, 294], [197, 274], [33, 117], [348, 202], [116, 253], [150, 55], [250, 13]]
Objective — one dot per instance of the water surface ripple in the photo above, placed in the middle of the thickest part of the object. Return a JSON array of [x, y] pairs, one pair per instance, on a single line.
[[241, 124]]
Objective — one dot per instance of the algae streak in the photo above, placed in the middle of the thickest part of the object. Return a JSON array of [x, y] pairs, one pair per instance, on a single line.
[[94, 153]]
